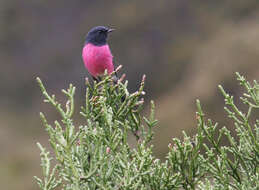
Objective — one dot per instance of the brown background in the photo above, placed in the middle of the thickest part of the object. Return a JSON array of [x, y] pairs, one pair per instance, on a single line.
[[186, 48]]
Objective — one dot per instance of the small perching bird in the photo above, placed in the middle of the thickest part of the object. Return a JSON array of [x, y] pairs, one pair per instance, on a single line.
[[96, 52]]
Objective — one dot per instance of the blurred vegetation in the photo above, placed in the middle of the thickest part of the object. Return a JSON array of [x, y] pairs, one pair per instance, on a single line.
[[184, 47]]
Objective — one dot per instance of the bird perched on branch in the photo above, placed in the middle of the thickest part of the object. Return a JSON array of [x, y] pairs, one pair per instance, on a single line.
[[96, 52]]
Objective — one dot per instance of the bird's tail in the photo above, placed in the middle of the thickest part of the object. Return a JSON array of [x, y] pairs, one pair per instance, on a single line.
[[115, 78]]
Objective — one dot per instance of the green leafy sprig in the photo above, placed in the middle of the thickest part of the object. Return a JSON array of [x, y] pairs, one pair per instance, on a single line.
[[97, 154]]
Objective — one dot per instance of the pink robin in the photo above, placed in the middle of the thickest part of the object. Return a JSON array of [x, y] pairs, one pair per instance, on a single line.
[[96, 53]]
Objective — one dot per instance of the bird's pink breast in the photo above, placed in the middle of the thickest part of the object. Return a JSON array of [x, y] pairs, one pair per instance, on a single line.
[[97, 59]]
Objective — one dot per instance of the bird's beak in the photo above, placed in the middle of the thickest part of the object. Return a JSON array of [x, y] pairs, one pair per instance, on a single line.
[[110, 30]]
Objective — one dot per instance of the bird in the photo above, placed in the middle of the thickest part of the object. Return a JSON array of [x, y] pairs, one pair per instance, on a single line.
[[96, 53]]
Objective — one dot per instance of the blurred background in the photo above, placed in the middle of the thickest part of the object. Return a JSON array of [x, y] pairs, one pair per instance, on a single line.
[[186, 48]]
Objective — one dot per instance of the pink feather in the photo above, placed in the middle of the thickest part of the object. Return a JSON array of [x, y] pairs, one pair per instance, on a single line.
[[97, 59]]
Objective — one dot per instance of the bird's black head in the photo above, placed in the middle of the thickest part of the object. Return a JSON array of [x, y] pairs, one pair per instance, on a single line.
[[98, 35]]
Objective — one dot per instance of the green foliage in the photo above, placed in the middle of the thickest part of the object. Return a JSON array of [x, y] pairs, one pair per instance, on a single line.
[[97, 155]]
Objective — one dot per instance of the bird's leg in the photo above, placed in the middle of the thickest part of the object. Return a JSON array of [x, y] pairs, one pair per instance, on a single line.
[[97, 79], [94, 78]]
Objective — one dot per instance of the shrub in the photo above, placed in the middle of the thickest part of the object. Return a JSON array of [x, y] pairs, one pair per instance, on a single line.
[[97, 155]]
